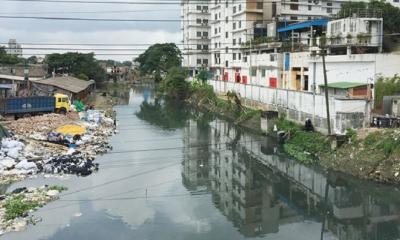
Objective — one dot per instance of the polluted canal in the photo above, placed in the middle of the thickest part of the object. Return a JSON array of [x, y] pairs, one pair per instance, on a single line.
[[175, 173]]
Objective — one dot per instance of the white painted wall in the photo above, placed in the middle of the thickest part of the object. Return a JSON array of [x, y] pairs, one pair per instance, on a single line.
[[304, 102]]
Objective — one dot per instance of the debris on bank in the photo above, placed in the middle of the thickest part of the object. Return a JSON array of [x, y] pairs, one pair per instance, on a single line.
[[55, 144], [16, 207]]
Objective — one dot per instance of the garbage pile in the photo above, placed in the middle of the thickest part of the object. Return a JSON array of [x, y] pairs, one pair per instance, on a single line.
[[65, 146], [39, 125]]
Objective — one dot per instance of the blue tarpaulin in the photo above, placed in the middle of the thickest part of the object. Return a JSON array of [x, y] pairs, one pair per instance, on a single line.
[[301, 25]]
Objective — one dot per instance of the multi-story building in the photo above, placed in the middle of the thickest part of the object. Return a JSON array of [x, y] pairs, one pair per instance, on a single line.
[[14, 48], [195, 29]]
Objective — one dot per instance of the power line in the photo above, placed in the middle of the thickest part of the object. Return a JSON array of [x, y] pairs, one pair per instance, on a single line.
[[151, 2], [85, 12]]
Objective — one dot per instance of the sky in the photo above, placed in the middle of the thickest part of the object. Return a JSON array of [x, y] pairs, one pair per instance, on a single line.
[[47, 31]]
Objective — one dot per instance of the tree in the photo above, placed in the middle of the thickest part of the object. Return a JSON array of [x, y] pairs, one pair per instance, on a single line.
[[202, 76], [175, 84], [76, 63], [158, 59], [386, 87], [32, 60], [7, 58]]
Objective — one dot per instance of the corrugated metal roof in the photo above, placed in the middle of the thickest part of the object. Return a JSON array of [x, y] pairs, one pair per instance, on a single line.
[[301, 25], [344, 85], [68, 83]]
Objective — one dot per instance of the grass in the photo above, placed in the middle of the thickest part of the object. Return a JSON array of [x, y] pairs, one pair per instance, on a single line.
[[58, 188], [18, 206]]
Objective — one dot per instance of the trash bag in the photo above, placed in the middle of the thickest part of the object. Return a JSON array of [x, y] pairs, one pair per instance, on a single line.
[[79, 106]]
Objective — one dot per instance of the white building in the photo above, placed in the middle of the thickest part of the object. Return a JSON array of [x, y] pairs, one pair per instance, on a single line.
[[14, 48], [195, 29]]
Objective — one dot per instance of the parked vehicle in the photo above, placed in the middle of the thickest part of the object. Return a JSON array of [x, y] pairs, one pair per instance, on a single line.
[[27, 106]]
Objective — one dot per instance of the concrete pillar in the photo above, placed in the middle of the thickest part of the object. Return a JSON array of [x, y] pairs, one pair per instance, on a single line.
[[348, 50]]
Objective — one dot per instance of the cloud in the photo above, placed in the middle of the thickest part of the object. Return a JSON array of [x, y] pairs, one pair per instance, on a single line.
[[26, 30], [114, 37]]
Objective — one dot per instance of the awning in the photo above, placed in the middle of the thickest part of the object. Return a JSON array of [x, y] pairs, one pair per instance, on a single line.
[[344, 85], [301, 25]]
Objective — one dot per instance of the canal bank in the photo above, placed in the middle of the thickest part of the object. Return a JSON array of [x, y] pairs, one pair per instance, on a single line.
[[195, 176], [369, 153]]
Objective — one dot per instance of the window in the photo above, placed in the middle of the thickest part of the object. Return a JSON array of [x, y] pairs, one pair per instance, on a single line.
[[310, 8], [59, 100], [240, 7], [226, 64], [239, 56], [198, 8], [205, 61], [263, 73], [329, 4], [234, 9], [219, 29], [205, 21], [216, 17], [240, 40], [216, 45], [215, 31], [205, 34], [226, 49], [226, 19], [226, 34], [226, 3], [234, 41], [294, 6], [253, 72], [271, 57], [205, 8], [234, 26], [329, 10], [199, 61], [198, 20], [259, 5], [293, 18], [240, 24], [234, 56], [198, 34], [205, 47], [198, 47]]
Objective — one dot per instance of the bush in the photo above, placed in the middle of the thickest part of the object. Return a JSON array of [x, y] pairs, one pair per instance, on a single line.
[[175, 84]]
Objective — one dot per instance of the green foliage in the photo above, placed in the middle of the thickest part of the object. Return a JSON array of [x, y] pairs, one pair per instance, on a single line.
[[159, 58], [175, 84], [18, 206], [76, 64], [7, 58], [298, 153], [351, 134], [390, 13], [388, 145], [304, 146], [83, 76], [203, 90], [371, 139], [386, 87], [248, 114], [58, 188], [202, 76]]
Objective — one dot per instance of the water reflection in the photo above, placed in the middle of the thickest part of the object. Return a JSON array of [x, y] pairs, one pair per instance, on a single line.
[[261, 191]]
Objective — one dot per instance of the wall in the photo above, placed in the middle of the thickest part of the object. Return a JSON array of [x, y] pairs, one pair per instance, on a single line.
[[298, 106]]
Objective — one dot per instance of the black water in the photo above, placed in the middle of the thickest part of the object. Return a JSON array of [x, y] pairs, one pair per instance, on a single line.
[[176, 173]]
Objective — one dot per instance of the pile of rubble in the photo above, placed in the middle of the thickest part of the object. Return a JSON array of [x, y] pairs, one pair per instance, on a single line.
[[36, 147], [15, 207]]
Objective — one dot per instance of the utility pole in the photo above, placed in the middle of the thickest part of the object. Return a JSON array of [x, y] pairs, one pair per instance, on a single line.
[[328, 116]]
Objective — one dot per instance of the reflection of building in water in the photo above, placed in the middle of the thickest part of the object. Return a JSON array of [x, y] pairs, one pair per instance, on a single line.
[[259, 190], [195, 166]]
